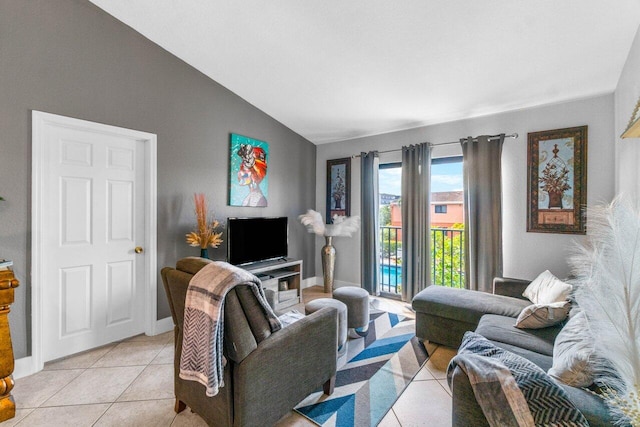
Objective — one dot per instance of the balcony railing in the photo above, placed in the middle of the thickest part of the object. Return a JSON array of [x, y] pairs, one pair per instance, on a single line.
[[390, 259], [447, 258]]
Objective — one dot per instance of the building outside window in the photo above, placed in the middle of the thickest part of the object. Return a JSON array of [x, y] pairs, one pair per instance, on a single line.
[[447, 224]]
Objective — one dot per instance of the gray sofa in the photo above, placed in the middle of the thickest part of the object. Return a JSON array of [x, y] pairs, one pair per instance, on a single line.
[[443, 315], [266, 373]]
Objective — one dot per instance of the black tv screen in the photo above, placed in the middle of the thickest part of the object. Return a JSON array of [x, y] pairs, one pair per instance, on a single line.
[[256, 239]]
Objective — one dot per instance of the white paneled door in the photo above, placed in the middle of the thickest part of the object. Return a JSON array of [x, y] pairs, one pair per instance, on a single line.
[[92, 258]]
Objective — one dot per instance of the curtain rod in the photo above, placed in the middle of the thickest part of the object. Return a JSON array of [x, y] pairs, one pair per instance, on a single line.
[[513, 135]]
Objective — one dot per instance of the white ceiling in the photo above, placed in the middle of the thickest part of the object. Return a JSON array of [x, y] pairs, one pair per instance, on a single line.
[[333, 70]]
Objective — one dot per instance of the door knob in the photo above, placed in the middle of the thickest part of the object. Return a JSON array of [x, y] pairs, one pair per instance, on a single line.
[[139, 249]]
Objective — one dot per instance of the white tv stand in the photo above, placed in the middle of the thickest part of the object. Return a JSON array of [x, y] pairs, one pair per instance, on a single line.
[[271, 273]]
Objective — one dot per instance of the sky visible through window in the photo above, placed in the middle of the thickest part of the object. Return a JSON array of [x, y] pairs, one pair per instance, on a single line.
[[444, 177]]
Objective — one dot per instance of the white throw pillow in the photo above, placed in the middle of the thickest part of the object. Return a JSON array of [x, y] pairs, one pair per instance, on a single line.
[[538, 316], [546, 289], [574, 353]]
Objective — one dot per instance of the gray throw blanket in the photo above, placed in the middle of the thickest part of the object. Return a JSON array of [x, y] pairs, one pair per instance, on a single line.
[[202, 341], [511, 390]]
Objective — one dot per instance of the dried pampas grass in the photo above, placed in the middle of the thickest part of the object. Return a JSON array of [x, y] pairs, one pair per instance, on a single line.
[[607, 271], [204, 235]]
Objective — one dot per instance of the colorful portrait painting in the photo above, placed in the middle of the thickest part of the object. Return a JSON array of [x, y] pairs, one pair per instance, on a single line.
[[248, 181]]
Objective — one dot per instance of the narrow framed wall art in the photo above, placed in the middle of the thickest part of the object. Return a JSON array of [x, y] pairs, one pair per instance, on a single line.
[[557, 175], [338, 188]]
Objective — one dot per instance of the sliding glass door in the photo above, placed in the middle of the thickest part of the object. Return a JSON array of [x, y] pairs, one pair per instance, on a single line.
[[447, 225], [447, 222], [390, 218]]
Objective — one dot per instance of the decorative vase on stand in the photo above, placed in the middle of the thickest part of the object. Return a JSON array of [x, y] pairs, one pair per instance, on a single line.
[[204, 253], [328, 264]]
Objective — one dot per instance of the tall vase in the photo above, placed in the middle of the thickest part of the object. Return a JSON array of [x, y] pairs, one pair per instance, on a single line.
[[204, 253], [328, 264]]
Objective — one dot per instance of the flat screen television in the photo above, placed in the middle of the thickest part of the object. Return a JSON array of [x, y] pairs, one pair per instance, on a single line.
[[256, 239]]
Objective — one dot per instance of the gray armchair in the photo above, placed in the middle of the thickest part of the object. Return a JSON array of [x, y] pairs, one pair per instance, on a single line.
[[267, 373]]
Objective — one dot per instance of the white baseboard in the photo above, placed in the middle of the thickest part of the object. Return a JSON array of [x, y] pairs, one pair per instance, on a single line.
[[319, 281], [309, 281], [163, 325], [23, 367]]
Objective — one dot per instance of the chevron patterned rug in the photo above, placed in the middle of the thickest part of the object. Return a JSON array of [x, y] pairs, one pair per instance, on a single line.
[[374, 373]]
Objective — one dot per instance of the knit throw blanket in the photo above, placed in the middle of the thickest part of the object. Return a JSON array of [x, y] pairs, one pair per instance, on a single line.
[[511, 390], [202, 342]]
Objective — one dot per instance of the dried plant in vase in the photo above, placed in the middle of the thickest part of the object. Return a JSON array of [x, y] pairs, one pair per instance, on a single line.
[[205, 234]]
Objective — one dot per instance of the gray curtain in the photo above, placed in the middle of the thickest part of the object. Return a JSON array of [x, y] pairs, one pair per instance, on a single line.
[[416, 224], [369, 258], [482, 211]]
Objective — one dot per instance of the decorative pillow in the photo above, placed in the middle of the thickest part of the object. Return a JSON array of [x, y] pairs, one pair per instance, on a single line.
[[537, 316], [547, 288], [574, 353]]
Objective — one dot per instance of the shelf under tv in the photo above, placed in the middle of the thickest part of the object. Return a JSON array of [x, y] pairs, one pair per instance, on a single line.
[[272, 272]]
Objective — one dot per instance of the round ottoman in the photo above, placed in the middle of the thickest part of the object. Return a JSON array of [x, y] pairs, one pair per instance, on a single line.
[[317, 304], [357, 302]]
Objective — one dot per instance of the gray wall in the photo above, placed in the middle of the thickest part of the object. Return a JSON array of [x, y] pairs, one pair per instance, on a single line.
[[628, 150], [70, 58], [525, 254]]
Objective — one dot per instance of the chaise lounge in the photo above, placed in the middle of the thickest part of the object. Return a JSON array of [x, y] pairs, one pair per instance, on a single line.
[[443, 315]]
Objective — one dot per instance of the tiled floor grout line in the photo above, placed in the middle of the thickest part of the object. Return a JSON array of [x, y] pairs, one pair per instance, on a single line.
[[62, 388], [50, 397], [395, 416], [102, 415], [123, 391]]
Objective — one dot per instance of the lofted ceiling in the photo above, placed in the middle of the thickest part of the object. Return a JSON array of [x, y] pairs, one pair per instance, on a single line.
[[335, 70]]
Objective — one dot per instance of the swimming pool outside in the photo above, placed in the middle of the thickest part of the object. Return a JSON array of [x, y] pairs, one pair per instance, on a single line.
[[390, 278]]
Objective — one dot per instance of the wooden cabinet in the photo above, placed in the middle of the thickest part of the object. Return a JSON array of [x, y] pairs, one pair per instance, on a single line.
[[8, 283], [273, 273]]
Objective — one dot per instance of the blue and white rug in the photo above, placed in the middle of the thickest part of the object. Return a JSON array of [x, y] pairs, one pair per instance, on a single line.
[[374, 373]]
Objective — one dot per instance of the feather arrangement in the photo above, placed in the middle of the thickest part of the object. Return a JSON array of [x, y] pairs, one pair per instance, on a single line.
[[342, 225], [607, 270], [313, 221], [205, 233]]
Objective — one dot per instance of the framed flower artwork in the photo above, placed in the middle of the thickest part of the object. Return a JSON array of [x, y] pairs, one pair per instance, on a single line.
[[338, 188], [557, 175]]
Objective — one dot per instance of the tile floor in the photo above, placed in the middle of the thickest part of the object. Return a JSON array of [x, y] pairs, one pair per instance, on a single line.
[[130, 383]]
